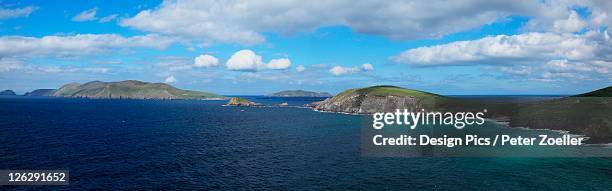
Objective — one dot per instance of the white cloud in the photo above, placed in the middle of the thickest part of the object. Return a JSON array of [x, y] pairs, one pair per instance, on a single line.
[[503, 49], [7, 64], [560, 70], [108, 18], [16, 13], [205, 61], [572, 24], [243, 21], [16, 65], [90, 15], [87, 15], [367, 67], [279, 64], [170, 79], [339, 70], [80, 44], [244, 60], [300, 68], [247, 60]]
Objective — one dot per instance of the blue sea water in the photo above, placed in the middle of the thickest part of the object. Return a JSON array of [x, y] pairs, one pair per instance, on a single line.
[[180, 144]]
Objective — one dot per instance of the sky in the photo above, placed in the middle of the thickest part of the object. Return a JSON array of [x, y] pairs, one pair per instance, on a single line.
[[241, 47]]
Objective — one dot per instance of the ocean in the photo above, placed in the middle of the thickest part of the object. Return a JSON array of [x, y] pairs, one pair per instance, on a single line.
[[202, 145]]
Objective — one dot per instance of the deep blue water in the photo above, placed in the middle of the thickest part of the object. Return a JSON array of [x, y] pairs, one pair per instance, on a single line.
[[148, 144]]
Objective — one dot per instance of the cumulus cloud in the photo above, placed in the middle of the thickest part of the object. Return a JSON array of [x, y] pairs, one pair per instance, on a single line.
[[367, 67], [504, 49], [247, 60], [16, 13], [205, 61], [170, 79], [300, 68], [572, 24], [87, 15], [279, 64], [243, 21], [339, 70], [538, 56], [80, 44]]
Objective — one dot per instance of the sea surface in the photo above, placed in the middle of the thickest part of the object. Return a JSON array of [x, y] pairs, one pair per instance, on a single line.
[[202, 145]]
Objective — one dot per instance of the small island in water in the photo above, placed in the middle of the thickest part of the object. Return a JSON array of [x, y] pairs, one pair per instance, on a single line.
[[128, 89], [299, 93], [7, 93], [236, 101]]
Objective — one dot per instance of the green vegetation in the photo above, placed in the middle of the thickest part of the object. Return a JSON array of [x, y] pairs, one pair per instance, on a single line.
[[394, 90], [130, 89], [604, 92], [426, 98], [236, 101], [41, 92]]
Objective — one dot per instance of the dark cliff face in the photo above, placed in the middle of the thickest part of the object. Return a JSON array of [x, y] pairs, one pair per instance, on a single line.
[[378, 99], [7, 92]]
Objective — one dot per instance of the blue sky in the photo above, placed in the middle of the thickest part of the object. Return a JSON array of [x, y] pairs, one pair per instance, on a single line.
[[259, 47]]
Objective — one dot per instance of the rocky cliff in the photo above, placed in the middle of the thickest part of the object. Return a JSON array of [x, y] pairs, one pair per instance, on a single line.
[[241, 102], [378, 99]]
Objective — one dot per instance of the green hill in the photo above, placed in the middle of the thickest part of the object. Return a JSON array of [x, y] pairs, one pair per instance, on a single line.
[[7, 92], [129, 89], [41, 92], [603, 92], [379, 99]]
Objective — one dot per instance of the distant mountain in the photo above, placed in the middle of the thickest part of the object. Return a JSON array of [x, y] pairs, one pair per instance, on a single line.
[[300, 93], [378, 99], [41, 92], [129, 89], [7, 92], [603, 92]]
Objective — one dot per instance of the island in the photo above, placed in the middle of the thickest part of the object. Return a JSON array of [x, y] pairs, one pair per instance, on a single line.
[[129, 89], [40, 92], [235, 101], [379, 99], [299, 93], [7, 93]]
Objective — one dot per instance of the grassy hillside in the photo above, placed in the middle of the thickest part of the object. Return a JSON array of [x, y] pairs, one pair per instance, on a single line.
[[429, 99], [604, 92], [130, 89]]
